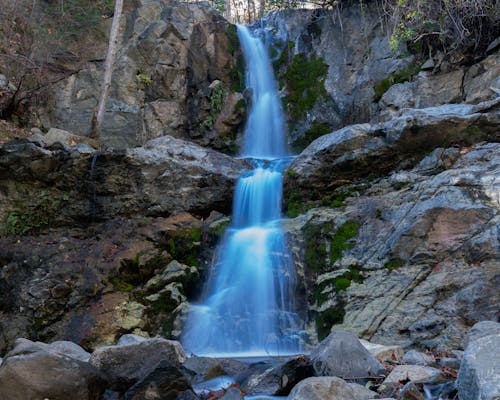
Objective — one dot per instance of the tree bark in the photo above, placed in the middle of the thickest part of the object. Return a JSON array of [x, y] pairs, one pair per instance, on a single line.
[[108, 70]]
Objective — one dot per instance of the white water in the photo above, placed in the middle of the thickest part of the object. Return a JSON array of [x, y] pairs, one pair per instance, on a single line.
[[248, 306]]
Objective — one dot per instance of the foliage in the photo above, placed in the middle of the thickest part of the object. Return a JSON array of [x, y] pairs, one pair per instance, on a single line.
[[394, 263], [462, 29], [34, 216], [397, 77], [317, 130], [305, 82], [342, 239], [143, 78], [219, 93]]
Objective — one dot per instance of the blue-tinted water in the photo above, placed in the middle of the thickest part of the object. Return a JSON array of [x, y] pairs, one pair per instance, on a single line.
[[248, 306]]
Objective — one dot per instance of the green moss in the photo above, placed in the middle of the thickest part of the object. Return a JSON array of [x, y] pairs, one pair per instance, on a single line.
[[394, 264], [475, 133], [342, 283], [341, 240], [305, 83], [326, 319], [184, 245], [120, 285], [284, 57], [315, 254], [216, 100], [317, 130], [396, 77]]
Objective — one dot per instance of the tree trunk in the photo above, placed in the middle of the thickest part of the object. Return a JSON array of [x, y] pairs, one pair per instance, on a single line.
[[108, 70]]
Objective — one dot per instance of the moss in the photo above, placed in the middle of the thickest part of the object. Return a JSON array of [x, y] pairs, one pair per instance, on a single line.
[[396, 77], [475, 133], [120, 285], [394, 264], [284, 57], [184, 245], [216, 100], [378, 213], [315, 254], [305, 83], [326, 319], [342, 283], [341, 240], [317, 130]]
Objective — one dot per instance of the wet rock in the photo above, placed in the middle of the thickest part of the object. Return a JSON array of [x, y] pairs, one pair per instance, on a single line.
[[320, 388], [479, 374], [205, 368], [165, 382], [413, 373], [280, 379], [383, 353], [414, 357], [33, 371], [126, 365], [341, 354]]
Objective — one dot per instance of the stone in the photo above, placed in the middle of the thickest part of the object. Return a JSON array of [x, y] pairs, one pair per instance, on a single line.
[[165, 382], [410, 391], [414, 357], [280, 379], [479, 374], [341, 354], [205, 368], [383, 353], [412, 373], [130, 338], [33, 371], [233, 394], [126, 365], [480, 78], [321, 388], [59, 135], [69, 349]]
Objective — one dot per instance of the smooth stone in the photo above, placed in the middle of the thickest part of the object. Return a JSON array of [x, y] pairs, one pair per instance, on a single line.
[[233, 394], [382, 352], [414, 373], [130, 338], [324, 387], [414, 357]]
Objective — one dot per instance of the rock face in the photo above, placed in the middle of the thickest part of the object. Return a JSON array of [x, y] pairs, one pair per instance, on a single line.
[[126, 365], [407, 259], [33, 371], [170, 54], [351, 71], [341, 354], [479, 375], [165, 176]]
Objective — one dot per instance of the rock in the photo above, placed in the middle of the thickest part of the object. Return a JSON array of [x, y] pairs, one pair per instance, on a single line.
[[410, 391], [126, 365], [165, 176], [33, 371], [361, 392], [204, 368], [171, 54], [69, 349], [165, 382], [383, 353], [321, 388], [130, 338], [449, 362], [412, 373], [360, 150], [414, 357], [480, 78], [59, 135], [280, 379], [479, 374], [341, 354], [233, 394]]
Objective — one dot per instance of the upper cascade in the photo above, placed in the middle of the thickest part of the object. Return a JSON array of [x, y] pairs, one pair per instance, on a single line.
[[265, 130]]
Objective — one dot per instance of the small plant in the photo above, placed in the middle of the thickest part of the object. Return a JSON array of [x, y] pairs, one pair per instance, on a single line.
[[144, 79], [216, 100]]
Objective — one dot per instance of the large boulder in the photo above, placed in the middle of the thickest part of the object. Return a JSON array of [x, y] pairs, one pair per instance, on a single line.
[[126, 365], [341, 354], [327, 387], [33, 371], [479, 374], [358, 151]]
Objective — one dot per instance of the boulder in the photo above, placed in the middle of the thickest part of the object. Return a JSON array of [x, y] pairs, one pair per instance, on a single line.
[[126, 365], [280, 379], [129, 339], [55, 135], [357, 151], [205, 368], [412, 373], [383, 353], [341, 354], [479, 374], [34, 371], [165, 382], [327, 387]]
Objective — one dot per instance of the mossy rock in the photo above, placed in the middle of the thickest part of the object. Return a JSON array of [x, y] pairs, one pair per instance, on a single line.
[[394, 264], [404, 75], [184, 245], [317, 130], [342, 240], [326, 319]]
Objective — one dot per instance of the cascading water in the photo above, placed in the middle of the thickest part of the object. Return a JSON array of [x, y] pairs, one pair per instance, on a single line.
[[248, 304]]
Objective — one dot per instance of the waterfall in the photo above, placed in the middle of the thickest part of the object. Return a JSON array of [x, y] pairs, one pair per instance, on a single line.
[[247, 307]]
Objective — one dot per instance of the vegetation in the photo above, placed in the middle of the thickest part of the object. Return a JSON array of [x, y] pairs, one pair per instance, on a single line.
[[219, 93], [394, 263], [317, 130], [342, 239], [404, 75]]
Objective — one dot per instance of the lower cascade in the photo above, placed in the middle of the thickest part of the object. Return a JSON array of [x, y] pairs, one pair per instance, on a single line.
[[248, 307]]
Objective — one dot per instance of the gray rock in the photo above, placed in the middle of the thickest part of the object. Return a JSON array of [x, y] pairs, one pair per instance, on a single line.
[[321, 388], [383, 353], [341, 354], [55, 135], [413, 373], [32, 371], [130, 338], [69, 349], [414, 357], [233, 394], [479, 374], [125, 365]]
